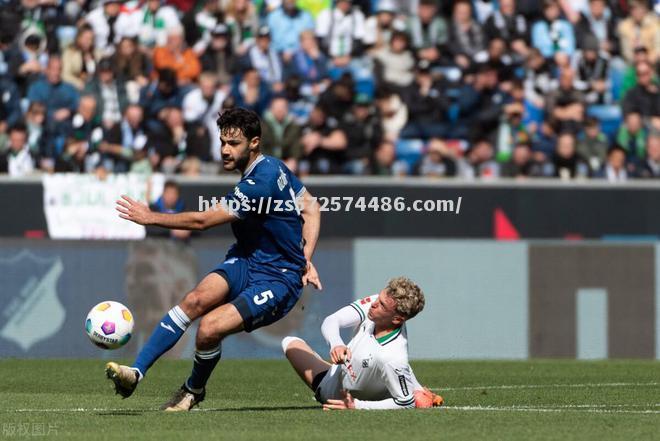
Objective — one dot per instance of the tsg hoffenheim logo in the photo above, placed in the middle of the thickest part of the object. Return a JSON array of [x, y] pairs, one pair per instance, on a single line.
[[30, 311]]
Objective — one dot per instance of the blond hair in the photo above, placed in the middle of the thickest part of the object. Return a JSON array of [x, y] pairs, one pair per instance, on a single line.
[[408, 296]]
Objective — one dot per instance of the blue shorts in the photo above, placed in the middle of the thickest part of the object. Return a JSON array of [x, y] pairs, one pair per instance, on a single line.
[[261, 298]]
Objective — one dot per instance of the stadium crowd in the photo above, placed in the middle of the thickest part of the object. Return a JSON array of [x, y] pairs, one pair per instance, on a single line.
[[474, 89]]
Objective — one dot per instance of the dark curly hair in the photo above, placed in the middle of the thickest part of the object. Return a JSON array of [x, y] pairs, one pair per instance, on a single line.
[[245, 120]]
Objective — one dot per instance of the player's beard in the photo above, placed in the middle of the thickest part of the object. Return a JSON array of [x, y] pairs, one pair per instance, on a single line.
[[240, 163]]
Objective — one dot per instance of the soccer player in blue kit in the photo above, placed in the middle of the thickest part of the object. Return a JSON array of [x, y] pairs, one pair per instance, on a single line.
[[263, 274]]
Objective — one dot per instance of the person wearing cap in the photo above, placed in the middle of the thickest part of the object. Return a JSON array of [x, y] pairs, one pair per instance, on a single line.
[[104, 21], [218, 56], [591, 71], [340, 31], [286, 23], [428, 31], [27, 60], [110, 94], [150, 24], [263, 57]]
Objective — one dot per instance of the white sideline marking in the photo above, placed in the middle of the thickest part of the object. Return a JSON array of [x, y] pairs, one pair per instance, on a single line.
[[543, 386], [547, 409]]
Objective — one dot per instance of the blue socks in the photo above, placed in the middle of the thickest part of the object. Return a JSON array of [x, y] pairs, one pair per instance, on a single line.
[[203, 366], [167, 333]]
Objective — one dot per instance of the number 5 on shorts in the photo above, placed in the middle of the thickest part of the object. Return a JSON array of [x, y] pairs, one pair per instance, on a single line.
[[262, 298]]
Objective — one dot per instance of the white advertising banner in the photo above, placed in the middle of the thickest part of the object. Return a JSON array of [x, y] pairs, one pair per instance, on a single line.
[[79, 206]]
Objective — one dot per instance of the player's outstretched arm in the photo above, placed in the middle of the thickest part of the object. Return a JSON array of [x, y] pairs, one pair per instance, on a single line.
[[140, 213], [311, 214]]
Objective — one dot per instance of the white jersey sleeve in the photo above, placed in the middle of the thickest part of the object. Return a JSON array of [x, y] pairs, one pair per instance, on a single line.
[[346, 317], [400, 383]]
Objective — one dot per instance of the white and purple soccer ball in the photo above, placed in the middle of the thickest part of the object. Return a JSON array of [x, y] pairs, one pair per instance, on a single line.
[[109, 325]]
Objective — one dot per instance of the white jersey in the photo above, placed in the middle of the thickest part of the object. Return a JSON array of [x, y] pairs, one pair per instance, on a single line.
[[378, 374]]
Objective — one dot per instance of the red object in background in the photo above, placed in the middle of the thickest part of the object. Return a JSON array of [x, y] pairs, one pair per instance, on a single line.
[[503, 229], [181, 5], [573, 236], [34, 234]]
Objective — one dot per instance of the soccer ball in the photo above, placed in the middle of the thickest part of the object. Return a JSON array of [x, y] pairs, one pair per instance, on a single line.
[[109, 325]]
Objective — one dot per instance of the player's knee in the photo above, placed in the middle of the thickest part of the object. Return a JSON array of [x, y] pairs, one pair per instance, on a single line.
[[290, 342], [193, 304], [207, 335]]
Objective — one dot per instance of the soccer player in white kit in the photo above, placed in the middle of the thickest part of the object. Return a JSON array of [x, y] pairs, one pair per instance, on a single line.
[[372, 371]]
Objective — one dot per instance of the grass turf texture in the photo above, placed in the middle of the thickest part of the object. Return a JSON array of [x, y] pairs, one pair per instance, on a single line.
[[264, 400]]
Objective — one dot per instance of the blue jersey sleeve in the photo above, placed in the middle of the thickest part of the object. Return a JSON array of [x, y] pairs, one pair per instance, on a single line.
[[296, 185], [248, 196]]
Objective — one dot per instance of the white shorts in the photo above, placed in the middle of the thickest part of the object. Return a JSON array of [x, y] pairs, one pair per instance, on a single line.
[[330, 386]]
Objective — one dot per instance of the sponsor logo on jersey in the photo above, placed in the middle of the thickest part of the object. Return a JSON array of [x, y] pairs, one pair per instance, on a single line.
[[365, 300], [282, 181], [365, 363], [402, 383]]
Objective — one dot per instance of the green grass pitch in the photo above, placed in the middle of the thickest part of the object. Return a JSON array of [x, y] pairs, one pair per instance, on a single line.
[[264, 400]]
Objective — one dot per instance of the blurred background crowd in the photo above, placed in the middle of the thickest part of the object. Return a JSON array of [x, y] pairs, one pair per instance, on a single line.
[[466, 88]]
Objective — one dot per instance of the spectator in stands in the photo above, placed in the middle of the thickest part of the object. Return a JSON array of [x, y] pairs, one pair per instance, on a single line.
[[393, 112], [650, 167], [286, 23], [641, 28], [109, 93], [169, 202], [553, 35], [593, 144], [480, 105], [364, 132], [641, 55], [379, 27], [466, 38], [199, 22], [35, 118], [124, 143], [523, 165], [338, 99], [281, 135], [645, 96], [592, 72], [479, 161], [176, 56], [538, 79], [310, 65], [27, 60], [395, 63], [79, 59], [201, 106], [384, 159], [251, 93], [159, 95], [219, 55], [167, 147], [243, 21], [10, 101], [429, 32], [632, 136], [80, 151], [597, 21], [104, 22], [264, 59], [614, 169], [61, 98], [151, 24], [340, 31], [438, 162], [324, 143], [511, 131], [132, 67], [567, 162], [18, 160], [427, 105], [509, 26], [565, 106]]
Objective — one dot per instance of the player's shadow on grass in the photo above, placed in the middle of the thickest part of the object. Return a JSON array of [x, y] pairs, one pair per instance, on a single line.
[[259, 408]]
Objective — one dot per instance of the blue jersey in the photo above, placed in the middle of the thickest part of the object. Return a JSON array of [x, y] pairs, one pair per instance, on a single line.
[[268, 230]]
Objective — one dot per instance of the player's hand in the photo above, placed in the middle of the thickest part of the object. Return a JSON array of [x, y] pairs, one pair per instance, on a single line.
[[340, 354], [311, 276], [133, 210], [345, 403]]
